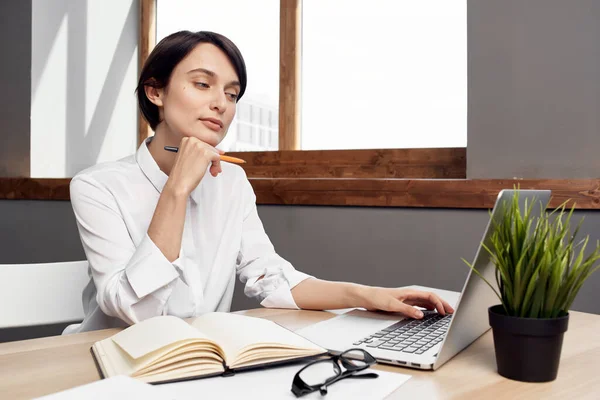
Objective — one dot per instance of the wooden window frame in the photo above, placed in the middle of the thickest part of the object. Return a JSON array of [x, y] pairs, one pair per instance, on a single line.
[[147, 41], [377, 177]]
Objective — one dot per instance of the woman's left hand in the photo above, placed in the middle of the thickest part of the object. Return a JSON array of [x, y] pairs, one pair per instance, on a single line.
[[403, 301]]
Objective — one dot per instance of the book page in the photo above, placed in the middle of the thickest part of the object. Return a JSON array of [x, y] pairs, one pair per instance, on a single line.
[[239, 333], [196, 364], [261, 355], [112, 360], [192, 356], [155, 343], [155, 333], [180, 373]]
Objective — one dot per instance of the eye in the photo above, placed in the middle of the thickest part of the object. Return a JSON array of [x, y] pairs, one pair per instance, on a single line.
[[202, 85], [232, 96]]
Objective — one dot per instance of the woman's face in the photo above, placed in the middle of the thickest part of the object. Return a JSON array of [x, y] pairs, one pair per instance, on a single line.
[[200, 99]]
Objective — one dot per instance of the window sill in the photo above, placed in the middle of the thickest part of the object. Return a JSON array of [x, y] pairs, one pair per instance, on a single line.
[[362, 192], [434, 163]]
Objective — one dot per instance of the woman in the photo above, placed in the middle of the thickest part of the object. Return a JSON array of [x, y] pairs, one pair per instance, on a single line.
[[166, 233]]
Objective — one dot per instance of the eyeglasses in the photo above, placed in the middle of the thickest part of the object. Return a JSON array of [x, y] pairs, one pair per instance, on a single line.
[[322, 373]]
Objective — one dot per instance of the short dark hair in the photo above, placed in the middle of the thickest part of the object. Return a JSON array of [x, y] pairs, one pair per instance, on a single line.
[[161, 62]]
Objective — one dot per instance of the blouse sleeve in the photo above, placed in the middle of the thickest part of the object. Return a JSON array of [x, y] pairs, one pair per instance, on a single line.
[[257, 257], [133, 280]]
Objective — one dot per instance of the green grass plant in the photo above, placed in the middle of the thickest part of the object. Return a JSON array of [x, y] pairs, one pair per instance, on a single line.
[[539, 266]]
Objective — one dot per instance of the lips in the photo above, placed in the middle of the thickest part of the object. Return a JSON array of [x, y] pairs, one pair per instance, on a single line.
[[212, 123]]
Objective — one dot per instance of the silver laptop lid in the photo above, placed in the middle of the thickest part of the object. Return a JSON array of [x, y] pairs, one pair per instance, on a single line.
[[470, 319]]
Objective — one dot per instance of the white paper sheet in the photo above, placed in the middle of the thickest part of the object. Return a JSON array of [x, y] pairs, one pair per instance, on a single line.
[[115, 388], [276, 384]]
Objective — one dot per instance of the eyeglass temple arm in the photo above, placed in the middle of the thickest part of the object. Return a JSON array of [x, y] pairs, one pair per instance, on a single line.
[[323, 389], [369, 375]]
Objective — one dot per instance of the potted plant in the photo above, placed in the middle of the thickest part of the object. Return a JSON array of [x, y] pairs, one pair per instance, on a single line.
[[539, 270]]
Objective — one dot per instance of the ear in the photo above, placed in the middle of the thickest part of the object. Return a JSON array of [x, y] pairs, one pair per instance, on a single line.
[[154, 95]]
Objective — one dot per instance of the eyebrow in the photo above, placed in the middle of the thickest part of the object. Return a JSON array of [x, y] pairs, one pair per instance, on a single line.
[[212, 75]]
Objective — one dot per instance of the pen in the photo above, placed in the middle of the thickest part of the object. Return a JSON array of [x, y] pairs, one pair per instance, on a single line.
[[222, 157]]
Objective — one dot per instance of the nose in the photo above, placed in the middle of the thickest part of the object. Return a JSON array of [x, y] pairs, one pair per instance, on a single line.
[[218, 101]]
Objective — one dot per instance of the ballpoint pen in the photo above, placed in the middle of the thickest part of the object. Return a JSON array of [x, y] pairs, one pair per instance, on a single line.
[[234, 160]]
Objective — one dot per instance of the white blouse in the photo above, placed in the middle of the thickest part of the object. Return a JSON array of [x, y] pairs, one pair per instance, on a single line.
[[132, 280]]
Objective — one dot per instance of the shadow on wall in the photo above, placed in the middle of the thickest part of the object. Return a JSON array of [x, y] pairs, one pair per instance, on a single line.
[[83, 144]]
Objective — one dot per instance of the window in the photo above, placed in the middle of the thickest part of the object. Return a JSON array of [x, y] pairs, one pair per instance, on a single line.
[[384, 74], [254, 27]]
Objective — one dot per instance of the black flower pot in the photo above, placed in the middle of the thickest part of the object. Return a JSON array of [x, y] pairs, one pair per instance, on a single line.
[[527, 349]]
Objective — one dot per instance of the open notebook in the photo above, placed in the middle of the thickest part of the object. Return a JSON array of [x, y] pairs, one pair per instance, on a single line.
[[166, 348]]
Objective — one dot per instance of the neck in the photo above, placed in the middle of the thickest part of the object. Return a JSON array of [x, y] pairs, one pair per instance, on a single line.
[[163, 137]]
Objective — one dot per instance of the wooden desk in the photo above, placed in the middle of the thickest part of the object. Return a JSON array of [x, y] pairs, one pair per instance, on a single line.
[[32, 368]]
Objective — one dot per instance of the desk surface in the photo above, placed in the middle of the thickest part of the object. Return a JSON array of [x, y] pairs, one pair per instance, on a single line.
[[36, 367]]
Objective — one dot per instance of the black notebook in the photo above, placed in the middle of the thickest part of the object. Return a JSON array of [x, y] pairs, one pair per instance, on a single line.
[[167, 348]]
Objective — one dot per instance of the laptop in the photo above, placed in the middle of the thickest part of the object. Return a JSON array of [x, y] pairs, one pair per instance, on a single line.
[[429, 342]]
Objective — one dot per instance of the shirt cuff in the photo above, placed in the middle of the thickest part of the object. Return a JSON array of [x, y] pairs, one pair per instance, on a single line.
[[149, 269], [294, 277], [282, 296]]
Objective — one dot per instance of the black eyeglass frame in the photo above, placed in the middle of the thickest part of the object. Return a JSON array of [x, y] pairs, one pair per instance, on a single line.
[[301, 388]]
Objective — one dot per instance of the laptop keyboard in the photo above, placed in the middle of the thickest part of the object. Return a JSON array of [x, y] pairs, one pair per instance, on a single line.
[[410, 335]]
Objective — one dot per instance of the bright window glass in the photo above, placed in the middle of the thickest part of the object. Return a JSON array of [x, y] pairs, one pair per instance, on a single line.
[[384, 74]]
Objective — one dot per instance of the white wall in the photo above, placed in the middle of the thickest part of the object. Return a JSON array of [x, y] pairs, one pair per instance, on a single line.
[[83, 77]]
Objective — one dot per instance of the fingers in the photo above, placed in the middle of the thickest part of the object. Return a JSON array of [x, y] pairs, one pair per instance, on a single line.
[[213, 155], [215, 168], [425, 305], [428, 300], [192, 141], [192, 162], [435, 300], [202, 150], [408, 310], [448, 307]]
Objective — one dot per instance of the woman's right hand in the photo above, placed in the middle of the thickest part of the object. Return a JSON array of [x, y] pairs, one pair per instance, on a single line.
[[191, 162]]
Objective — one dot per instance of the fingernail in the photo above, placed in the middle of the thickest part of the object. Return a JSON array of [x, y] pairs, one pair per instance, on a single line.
[[419, 314]]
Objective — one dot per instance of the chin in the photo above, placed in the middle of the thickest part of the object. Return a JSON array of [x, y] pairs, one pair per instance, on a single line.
[[212, 138]]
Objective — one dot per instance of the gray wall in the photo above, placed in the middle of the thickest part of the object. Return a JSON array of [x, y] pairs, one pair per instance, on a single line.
[[374, 246], [534, 89], [15, 80], [393, 246]]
